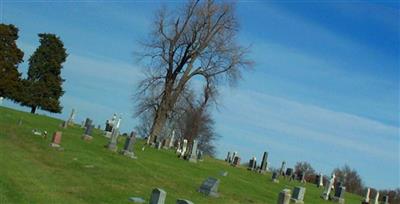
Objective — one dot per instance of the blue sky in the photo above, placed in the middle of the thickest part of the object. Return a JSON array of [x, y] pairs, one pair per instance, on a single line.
[[324, 89]]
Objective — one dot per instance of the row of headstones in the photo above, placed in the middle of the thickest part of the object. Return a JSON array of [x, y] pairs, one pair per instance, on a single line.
[[209, 187], [385, 199], [192, 154], [233, 159]]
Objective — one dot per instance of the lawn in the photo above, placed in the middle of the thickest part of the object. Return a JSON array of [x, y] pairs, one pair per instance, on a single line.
[[85, 172]]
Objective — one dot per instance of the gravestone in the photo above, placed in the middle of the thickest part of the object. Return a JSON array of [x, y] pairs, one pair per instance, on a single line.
[[234, 154], [137, 200], [228, 157], [282, 170], [264, 163], [298, 195], [128, 147], [193, 154], [289, 172], [88, 122], [88, 133], [325, 195], [183, 201], [64, 124], [366, 198], [210, 187], [158, 145], [71, 118], [339, 194], [236, 161], [184, 147], [252, 164], [275, 177], [376, 199], [112, 145], [110, 125], [200, 155], [385, 199], [172, 139], [302, 177], [56, 140], [158, 196], [224, 173], [319, 180], [284, 197]]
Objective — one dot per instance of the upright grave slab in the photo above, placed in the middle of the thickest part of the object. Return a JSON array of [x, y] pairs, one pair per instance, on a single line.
[[298, 195], [339, 194], [210, 187], [325, 195], [158, 196], [284, 196], [56, 140]]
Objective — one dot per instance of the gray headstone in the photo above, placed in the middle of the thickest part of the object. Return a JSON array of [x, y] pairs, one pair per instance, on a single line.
[[210, 187], [112, 145], [193, 154], [252, 164], [88, 122], [228, 157], [289, 172], [264, 162], [284, 197], [298, 194], [385, 199], [158, 196], [128, 146], [339, 194], [282, 170], [89, 130], [182, 201], [236, 161], [137, 200]]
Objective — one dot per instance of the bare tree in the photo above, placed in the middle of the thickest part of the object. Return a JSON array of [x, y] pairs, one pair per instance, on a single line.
[[197, 40], [351, 179]]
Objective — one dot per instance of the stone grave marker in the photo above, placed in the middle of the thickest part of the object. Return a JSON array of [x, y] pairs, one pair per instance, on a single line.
[[325, 195], [112, 145], [385, 199], [193, 154], [158, 196], [275, 176], [339, 194], [284, 196], [200, 155], [236, 161], [128, 147], [319, 180], [252, 164], [71, 118], [184, 147], [282, 169], [172, 140], [289, 172], [56, 140], [210, 187], [88, 133], [228, 157], [366, 199], [88, 122], [376, 199], [183, 201], [264, 163], [298, 195]]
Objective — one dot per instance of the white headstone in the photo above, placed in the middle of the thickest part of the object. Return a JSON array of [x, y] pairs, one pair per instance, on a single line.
[[328, 188], [366, 199], [376, 200], [172, 140]]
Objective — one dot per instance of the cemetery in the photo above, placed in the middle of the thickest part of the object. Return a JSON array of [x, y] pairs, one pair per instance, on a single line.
[[63, 168]]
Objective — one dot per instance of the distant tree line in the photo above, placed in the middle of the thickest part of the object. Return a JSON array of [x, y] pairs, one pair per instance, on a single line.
[[350, 178], [43, 86]]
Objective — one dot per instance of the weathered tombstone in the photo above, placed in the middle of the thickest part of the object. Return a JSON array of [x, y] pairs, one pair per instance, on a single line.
[[302, 177], [264, 163], [282, 170], [56, 140], [328, 187], [228, 157], [275, 177], [200, 155], [128, 147], [289, 172], [158, 145], [88, 133], [224, 173], [193, 154], [158, 196], [236, 161], [183, 201], [184, 147], [172, 139], [298, 195], [210, 187], [88, 122], [319, 180], [234, 154], [376, 199], [339, 194], [64, 124], [112, 145], [366, 199], [71, 118], [284, 197], [110, 125], [137, 200], [385, 199], [252, 164]]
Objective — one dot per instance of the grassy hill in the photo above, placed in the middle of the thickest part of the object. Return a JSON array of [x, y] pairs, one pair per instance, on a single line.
[[86, 172]]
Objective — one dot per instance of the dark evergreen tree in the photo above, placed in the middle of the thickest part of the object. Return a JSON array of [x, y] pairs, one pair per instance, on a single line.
[[43, 87], [10, 57]]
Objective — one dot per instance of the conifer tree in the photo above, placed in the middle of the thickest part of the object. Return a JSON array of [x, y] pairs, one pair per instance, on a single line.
[[43, 87]]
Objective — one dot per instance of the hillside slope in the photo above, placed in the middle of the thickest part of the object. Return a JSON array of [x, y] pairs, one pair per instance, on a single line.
[[86, 172]]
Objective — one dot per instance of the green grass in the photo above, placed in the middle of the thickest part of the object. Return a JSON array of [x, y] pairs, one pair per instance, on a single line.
[[33, 172]]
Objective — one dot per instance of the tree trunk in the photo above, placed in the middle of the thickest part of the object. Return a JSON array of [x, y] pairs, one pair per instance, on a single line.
[[158, 123], [33, 109]]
